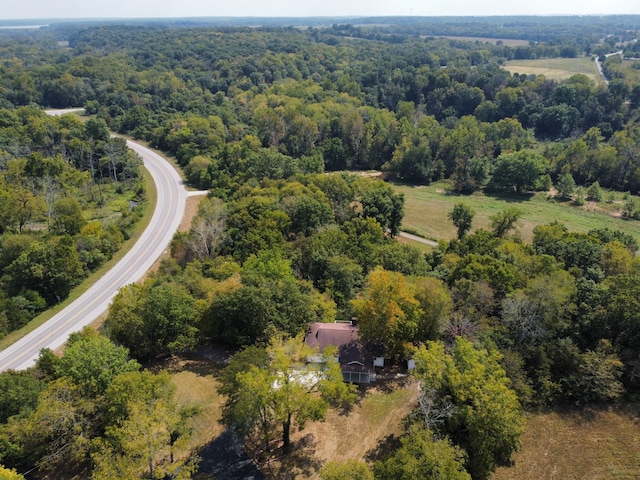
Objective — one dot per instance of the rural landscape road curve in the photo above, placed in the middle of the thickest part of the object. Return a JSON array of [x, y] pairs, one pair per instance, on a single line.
[[170, 208]]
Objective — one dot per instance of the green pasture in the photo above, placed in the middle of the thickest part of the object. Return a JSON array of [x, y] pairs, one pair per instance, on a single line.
[[426, 209]]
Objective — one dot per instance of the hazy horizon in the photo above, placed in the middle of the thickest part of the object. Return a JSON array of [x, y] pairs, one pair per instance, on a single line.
[[122, 9]]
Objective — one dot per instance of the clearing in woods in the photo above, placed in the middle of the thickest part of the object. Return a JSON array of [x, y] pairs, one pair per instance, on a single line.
[[367, 431], [555, 68], [426, 209]]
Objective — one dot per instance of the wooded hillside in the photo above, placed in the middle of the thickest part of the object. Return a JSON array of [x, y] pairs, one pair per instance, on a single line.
[[281, 124]]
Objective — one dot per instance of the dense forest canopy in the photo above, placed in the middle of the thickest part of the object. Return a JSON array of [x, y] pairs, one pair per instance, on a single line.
[[281, 124], [64, 187]]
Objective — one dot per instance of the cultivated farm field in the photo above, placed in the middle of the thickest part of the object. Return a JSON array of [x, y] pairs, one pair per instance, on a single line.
[[556, 68]]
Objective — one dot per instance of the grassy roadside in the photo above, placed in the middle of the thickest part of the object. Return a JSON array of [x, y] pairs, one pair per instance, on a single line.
[[426, 209], [148, 208]]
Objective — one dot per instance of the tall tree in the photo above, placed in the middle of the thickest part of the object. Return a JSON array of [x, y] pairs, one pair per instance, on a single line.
[[379, 201], [144, 432], [92, 361], [153, 319], [504, 221], [284, 391], [387, 311], [487, 421], [519, 171], [462, 217], [423, 456], [566, 186]]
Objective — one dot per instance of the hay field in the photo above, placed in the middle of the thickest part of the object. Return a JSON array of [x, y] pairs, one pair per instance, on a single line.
[[555, 68]]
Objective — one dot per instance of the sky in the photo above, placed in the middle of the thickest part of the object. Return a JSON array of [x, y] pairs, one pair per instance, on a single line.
[[35, 9]]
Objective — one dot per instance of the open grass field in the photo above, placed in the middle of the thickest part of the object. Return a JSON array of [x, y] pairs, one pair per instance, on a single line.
[[511, 42], [426, 209], [556, 68], [596, 444]]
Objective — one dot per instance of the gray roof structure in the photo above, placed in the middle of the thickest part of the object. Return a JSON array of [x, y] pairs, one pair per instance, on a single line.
[[353, 355]]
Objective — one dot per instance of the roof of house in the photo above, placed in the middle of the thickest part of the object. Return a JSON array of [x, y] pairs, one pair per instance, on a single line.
[[352, 354]]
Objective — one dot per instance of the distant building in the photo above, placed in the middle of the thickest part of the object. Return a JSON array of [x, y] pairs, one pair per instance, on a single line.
[[357, 361]]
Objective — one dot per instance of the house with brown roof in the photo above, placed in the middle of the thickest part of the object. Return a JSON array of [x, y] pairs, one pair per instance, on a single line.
[[357, 361]]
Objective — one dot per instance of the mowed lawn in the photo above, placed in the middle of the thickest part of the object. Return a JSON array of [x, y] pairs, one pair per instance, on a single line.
[[426, 209], [555, 68], [196, 386]]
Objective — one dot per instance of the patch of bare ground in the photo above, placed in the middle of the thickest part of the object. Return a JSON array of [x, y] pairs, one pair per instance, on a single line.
[[367, 431], [588, 444]]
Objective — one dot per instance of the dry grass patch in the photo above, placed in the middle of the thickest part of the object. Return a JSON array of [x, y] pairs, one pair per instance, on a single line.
[[366, 432], [593, 444], [511, 42], [556, 68]]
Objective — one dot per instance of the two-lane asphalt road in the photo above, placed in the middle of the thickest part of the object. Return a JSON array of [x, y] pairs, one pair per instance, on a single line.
[[172, 198]]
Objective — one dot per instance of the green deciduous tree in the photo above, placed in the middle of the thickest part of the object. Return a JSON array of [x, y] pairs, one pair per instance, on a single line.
[[423, 456], [68, 216], [518, 171], [436, 307], [566, 186], [153, 319], [52, 269], [462, 217], [20, 392], [487, 421], [91, 361], [348, 470], [380, 201], [594, 376], [387, 311], [594, 192], [504, 221], [283, 392], [145, 429], [60, 429]]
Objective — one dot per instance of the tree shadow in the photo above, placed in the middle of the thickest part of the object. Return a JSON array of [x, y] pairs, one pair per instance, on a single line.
[[200, 366], [226, 459], [385, 447], [508, 197], [301, 462]]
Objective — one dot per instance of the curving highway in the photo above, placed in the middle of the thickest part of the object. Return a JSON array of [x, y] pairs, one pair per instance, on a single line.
[[172, 198]]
